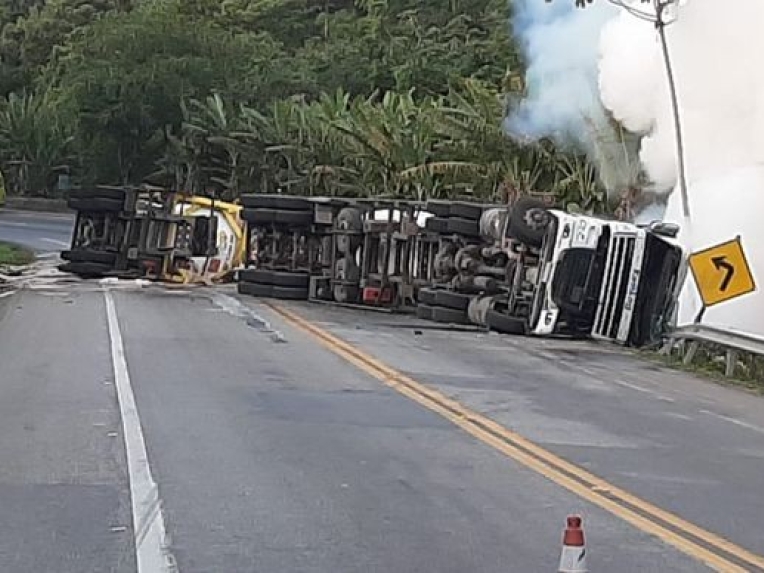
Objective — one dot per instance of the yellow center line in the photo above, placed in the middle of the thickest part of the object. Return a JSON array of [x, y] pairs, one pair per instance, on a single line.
[[643, 515]]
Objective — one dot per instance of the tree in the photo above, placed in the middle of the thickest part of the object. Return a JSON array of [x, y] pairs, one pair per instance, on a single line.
[[128, 74], [34, 143]]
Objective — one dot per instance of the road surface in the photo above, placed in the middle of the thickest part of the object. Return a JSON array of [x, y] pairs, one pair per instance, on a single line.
[[42, 232], [305, 438]]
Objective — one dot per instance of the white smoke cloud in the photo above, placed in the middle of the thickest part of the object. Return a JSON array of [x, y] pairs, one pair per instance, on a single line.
[[716, 50], [560, 43], [579, 59]]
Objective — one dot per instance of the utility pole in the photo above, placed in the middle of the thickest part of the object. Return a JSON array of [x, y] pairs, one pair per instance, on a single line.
[[660, 20]]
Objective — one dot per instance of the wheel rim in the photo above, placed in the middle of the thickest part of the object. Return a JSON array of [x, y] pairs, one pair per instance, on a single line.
[[536, 218]]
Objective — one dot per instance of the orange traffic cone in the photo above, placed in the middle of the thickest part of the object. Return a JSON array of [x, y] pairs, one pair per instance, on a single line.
[[573, 557]]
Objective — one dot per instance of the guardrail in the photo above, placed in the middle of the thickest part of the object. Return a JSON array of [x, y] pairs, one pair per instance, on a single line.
[[690, 338]]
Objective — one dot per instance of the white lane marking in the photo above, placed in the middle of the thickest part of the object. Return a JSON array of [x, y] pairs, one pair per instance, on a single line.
[[14, 224], [633, 387], [735, 421], [151, 542], [238, 309], [5, 294], [652, 393], [55, 242]]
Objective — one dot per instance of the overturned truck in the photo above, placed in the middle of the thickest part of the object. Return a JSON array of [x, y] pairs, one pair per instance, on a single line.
[[520, 269], [153, 234]]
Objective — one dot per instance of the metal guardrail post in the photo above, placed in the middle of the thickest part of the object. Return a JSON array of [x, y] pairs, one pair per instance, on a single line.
[[734, 344]]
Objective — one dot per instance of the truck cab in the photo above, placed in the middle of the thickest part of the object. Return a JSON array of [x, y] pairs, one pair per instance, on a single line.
[[608, 279]]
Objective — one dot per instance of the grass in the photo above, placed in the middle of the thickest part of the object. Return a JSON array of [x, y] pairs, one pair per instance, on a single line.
[[11, 254], [709, 363]]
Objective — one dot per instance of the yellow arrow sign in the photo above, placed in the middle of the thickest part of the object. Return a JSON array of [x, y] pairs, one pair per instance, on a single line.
[[722, 272]]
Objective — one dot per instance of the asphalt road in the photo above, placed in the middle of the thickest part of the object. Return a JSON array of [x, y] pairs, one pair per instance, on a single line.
[[272, 452], [42, 232]]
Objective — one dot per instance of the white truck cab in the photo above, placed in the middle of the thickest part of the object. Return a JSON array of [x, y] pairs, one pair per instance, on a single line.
[[603, 278]]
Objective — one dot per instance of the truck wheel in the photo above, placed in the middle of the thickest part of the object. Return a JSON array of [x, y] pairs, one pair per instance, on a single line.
[[464, 227], [424, 312], [426, 296], [348, 244], [291, 203], [436, 225], [272, 201], [347, 270], [290, 293], [471, 211], [103, 193], [453, 300], [449, 315], [89, 256], [253, 289], [259, 216], [259, 276], [478, 308], [345, 293], [257, 201], [95, 205], [349, 219], [288, 279], [294, 217], [528, 221], [438, 208], [506, 324], [85, 270]]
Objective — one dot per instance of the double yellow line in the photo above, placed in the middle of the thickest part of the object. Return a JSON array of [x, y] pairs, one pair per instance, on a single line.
[[713, 550]]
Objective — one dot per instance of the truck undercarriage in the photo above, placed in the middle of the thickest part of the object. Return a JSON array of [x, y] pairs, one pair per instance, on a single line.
[[520, 269], [157, 235]]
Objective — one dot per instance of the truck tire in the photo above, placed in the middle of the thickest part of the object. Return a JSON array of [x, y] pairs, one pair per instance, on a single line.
[[259, 216], [89, 256], [463, 210], [346, 270], [436, 225], [478, 309], [506, 324], [280, 202], [348, 244], [291, 203], [290, 293], [449, 315], [274, 278], [424, 312], [349, 219], [294, 218], [426, 296], [103, 193], [258, 276], [95, 205], [454, 300], [257, 201], [438, 208], [528, 221], [85, 270], [464, 227], [345, 293], [254, 289], [290, 279]]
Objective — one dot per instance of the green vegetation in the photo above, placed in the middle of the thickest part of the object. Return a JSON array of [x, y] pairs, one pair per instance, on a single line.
[[11, 254], [710, 362], [367, 97]]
